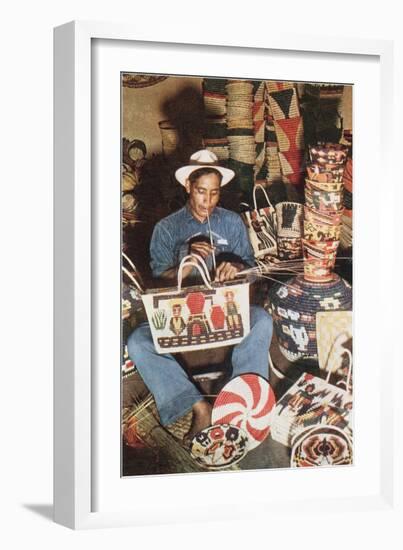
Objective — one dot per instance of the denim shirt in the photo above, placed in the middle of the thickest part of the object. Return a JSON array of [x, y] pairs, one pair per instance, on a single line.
[[171, 235]]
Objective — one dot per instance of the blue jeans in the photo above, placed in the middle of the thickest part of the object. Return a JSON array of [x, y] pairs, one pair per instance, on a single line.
[[173, 391]]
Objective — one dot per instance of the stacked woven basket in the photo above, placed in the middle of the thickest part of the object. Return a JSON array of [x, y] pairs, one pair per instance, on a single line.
[[241, 140], [323, 210], [294, 304], [346, 233], [272, 160], [289, 131], [215, 108], [258, 112]]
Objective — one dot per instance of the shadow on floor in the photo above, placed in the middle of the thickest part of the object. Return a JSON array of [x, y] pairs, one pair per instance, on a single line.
[[44, 510]]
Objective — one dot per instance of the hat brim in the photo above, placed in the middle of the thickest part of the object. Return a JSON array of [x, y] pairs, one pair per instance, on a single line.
[[184, 172]]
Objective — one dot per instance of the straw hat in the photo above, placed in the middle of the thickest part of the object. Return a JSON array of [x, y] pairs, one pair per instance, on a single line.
[[203, 159]]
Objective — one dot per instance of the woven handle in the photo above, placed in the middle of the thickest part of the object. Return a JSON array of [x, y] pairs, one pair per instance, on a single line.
[[199, 259], [133, 279], [128, 260], [265, 194], [195, 261], [350, 369], [130, 275], [200, 270], [335, 343]]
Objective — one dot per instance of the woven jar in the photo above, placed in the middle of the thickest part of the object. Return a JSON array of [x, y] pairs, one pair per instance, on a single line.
[[293, 306]]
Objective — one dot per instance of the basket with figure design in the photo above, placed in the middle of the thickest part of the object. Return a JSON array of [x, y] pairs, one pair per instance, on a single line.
[[311, 402], [198, 317]]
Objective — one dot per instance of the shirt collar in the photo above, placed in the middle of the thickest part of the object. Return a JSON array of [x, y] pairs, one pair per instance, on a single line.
[[189, 216]]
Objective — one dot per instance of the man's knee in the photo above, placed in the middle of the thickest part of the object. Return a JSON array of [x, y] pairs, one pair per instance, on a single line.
[[139, 341], [261, 320]]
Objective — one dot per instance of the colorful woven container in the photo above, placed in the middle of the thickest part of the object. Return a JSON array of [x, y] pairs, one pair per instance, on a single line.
[[323, 173], [319, 260], [328, 153], [293, 306], [321, 446], [246, 402], [289, 219], [322, 199], [289, 248], [315, 231], [219, 446]]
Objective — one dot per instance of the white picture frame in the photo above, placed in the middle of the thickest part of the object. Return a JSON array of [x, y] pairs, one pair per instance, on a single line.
[[78, 286]]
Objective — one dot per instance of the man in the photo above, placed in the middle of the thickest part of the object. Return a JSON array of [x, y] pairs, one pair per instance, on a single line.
[[202, 228], [177, 324]]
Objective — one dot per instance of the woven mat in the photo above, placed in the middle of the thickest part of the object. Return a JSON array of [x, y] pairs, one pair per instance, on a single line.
[[178, 429]]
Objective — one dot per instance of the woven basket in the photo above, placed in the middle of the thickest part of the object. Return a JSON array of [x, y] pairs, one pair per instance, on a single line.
[[170, 137], [321, 232], [331, 153], [293, 306], [325, 218], [289, 248], [319, 260], [325, 173], [289, 219], [322, 200], [329, 186]]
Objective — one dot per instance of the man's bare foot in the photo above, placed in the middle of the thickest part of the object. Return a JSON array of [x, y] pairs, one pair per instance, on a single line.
[[201, 419]]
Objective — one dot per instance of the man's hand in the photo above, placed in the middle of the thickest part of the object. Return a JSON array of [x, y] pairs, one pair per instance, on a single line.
[[201, 248], [227, 271]]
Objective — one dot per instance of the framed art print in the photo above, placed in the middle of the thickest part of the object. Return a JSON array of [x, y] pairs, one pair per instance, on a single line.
[[266, 135], [215, 282]]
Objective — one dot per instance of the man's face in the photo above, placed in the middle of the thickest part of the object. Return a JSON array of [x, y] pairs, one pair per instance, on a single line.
[[176, 310], [204, 195]]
